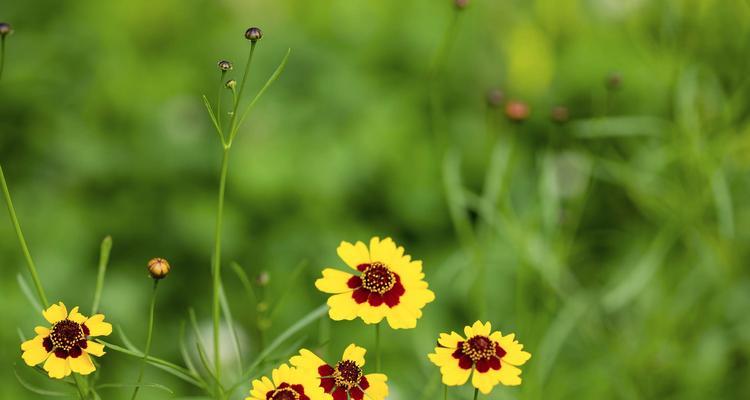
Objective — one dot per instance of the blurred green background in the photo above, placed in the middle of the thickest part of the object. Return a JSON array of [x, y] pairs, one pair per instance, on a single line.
[[614, 245]]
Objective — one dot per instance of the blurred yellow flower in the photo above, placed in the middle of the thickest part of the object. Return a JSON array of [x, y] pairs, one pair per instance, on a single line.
[[494, 358], [345, 380], [287, 384], [64, 347], [387, 284]]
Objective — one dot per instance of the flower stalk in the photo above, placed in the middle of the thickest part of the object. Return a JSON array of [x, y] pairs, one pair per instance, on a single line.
[[149, 335]]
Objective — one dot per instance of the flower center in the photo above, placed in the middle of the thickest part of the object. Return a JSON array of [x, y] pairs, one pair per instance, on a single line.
[[347, 374], [66, 334], [479, 348], [286, 393], [378, 278]]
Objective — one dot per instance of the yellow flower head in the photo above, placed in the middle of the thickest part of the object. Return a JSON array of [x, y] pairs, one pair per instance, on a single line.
[[287, 384], [345, 379], [494, 358], [64, 347], [386, 284]]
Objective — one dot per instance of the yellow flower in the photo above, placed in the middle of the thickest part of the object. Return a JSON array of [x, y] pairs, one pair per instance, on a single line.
[[345, 379], [494, 358], [287, 384], [387, 284], [64, 347]]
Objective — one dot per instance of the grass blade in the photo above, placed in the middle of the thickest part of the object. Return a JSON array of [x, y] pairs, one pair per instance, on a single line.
[[132, 385], [104, 251], [26, 290]]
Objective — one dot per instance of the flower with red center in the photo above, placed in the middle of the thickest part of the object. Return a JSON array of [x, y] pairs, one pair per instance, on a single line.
[[64, 347], [287, 383], [494, 358], [346, 378], [387, 284]]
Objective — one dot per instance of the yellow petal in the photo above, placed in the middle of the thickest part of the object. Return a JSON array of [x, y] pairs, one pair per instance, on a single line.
[[485, 381], [372, 315], [333, 281], [97, 326], [94, 348], [450, 341], [307, 361], [478, 329], [57, 367], [353, 254], [356, 354], [41, 331], [55, 313], [282, 374], [403, 316], [514, 353], [75, 316], [81, 364], [386, 252], [343, 307], [34, 351], [378, 389], [453, 375], [260, 388], [509, 375], [442, 356]]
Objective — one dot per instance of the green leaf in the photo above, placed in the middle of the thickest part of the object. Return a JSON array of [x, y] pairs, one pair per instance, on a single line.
[[183, 350], [287, 288], [40, 391], [26, 290], [210, 110], [132, 385], [246, 283], [104, 250], [230, 325]]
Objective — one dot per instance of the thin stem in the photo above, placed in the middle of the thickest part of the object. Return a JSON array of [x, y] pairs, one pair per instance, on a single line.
[[476, 394], [445, 392], [82, 390], [217, 261], [106, 247], [147, 349], [377, 347], [22, 241], [233, 124], [2, 55], [218, 98]]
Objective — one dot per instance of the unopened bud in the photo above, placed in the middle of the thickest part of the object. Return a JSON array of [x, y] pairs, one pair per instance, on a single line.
[[461, 4], [253, 34], [5, 29], [517, 111], [560, 114], [263, 279], [225, 65], [158, 268], [231, 84]]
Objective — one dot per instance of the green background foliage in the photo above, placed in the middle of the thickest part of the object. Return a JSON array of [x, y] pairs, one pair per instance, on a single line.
[[615, 245]]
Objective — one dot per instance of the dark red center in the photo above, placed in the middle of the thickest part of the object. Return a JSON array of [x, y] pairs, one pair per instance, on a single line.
[[66, 334], [378, 278], [347, 373], [479, 351], [285, 394], [286, 391]]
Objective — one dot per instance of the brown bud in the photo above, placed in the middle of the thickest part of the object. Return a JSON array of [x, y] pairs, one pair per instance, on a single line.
[[253, 34], [5, 29], [225, 65], [517, 111], [231, 84], [158, 268], [461, 4]]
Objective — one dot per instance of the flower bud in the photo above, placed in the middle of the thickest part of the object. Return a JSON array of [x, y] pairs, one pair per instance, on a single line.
[[231, 84], [560, 114], [495, 98], [5, 29], [158, 268], [253, 34], [517, 111], [225, 65], [461, 4]]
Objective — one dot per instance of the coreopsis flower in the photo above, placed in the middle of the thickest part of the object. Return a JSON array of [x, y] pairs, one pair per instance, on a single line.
[[386, 283], [65, 346], [493, 358], [287, 384], [345, 379]]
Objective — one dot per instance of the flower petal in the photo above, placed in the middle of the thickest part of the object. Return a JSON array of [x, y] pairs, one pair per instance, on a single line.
[[356, 354], [378, 389], [41, 331], [94, 348], [55, 313], [75, 316], [514, 350], [509, 375], [82, 364], [353, 254], [260, 388], [450, 341], [343, 307], [453, 374], [57, 367], [34, 351], [307, 361], [333, 281], [485, 381], [478, 329], [97, 326]]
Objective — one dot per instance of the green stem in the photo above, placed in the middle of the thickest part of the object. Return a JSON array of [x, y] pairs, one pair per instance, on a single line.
[[104, 251], [476, 394], [233, 124], [217, 261], [82, 390], [147, 349], [2, 55], [22, 241], [218, 98], [377, 347], [445, 392]]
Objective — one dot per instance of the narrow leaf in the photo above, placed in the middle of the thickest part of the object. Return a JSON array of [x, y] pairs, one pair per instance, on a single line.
[[104, 251]]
